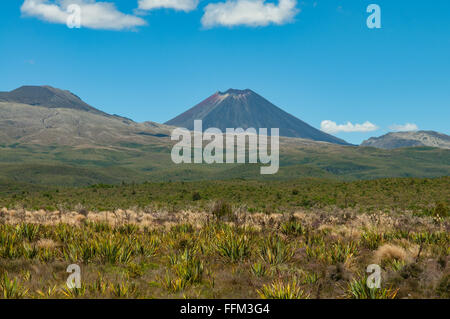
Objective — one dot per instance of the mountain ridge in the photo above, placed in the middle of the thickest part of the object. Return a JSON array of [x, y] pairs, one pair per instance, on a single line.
[[47, 96], [45, 115], [394, 140]]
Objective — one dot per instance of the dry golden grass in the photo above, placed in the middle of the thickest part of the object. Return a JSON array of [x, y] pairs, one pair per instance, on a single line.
[[46, 243], [138, 253], [389, 252]]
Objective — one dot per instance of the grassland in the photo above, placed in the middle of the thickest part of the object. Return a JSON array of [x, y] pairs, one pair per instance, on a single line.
[[306, 238], [131, 162], [415, 195]]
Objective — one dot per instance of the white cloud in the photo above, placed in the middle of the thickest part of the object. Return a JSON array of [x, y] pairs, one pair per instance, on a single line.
[[94, 15], [180, 5], [249, 12], [404, 128], [331, 127]]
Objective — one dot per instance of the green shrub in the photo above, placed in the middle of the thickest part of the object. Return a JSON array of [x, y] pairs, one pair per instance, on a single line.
[[443, 289], [275, 251], [196, 196], [11, 289], [259, 270], [280, 290], [232, 246], [293, 227], [28, 231], [358, 289], [441, 210], [222, 210]]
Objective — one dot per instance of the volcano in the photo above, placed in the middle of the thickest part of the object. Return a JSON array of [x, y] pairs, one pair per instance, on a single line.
[[245, 108], [47, 96]]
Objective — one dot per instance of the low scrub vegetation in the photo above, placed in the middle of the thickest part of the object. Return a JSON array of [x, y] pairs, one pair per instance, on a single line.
[[420, 196], [304, 255]]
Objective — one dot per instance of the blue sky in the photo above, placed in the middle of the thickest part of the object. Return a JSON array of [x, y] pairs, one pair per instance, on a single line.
[[317, 60]]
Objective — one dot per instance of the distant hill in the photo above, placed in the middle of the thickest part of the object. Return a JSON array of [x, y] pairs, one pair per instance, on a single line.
[[409, 139], [44, 115], [244, 108], [47, 96]]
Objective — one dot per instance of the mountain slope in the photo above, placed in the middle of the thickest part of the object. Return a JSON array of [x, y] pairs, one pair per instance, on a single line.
[[84, 165], [409, 139], [22, 123], [47, 96], [245, 108], [43, 115]]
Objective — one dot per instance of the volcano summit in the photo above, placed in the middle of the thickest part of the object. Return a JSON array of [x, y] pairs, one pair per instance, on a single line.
[[244, 109]]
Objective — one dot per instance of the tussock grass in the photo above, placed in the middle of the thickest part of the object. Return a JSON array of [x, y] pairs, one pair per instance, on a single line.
[[228, 250], [358, 289], [390, 253], [232, 246], [11, 288], [281, 290], [275, 251]]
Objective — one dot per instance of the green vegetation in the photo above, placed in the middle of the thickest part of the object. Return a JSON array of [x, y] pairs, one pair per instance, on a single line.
[[430, 197], [223, 260], [305, 238], [280, 290], [358, 289], [71, 166]]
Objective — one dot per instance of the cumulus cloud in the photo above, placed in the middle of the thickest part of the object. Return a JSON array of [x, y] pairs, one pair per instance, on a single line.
[[331, 127], [249, 12], [94, 15], [180, 5], [404, 128]]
